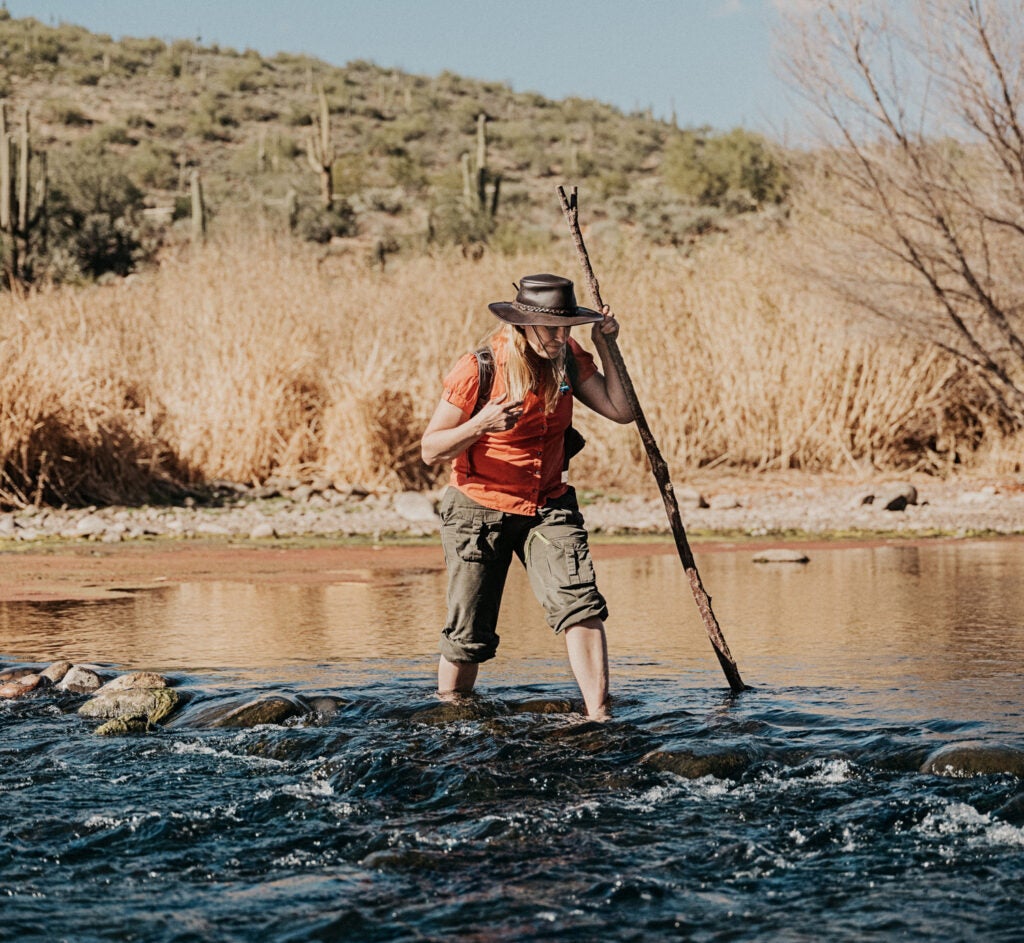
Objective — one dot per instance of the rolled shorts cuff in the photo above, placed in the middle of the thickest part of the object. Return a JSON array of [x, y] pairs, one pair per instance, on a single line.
[[588, 608], [472, 652]]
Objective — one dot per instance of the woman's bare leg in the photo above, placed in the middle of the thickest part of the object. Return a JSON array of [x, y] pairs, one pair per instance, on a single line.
[[456, 677], [588, 657]]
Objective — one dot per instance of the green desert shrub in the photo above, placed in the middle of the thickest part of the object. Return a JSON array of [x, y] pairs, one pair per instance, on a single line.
[[714, 169], [67, 113], [154, 165], [317, 224], [212, 118], [94, 215], [243, 75]]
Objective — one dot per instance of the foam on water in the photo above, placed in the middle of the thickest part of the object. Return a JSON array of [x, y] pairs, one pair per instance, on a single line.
[[960, 821]]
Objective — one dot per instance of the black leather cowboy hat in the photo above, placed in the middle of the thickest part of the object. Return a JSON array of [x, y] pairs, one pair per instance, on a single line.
[[544, 299]]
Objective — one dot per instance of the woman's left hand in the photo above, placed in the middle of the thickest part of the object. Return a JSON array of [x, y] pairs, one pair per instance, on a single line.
[[609, 326]]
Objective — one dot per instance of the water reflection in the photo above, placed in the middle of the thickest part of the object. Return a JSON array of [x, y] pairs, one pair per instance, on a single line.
[[882, 617]]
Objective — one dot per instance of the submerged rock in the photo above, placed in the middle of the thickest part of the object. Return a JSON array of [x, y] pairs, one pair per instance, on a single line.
[[79, 680], [1012, 811], [692, 765], [154, 703], [325, 705], [467, 707], [543, 705], [974, 758], [271, 709]]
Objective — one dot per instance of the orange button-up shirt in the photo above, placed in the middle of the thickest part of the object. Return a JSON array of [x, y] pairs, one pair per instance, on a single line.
[[520, 469]]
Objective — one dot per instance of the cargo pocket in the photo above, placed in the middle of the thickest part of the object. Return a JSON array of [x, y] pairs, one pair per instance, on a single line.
[[474, 534], [565, 560]]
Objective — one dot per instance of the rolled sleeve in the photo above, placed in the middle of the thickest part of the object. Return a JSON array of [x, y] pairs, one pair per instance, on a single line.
[[462, 385]]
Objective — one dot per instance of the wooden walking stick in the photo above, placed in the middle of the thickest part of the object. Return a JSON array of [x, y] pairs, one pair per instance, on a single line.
[[658, 466]]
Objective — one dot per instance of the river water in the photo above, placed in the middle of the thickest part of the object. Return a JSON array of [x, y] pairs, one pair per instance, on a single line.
[[794, 811]]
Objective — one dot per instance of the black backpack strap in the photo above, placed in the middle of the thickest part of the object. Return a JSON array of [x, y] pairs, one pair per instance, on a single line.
[[485, 380], [485, 376]]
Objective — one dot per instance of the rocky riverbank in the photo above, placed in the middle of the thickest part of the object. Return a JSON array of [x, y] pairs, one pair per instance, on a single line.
[[783, 506]]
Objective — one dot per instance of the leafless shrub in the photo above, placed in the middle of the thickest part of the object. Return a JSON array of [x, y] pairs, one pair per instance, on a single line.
[[915, 210]]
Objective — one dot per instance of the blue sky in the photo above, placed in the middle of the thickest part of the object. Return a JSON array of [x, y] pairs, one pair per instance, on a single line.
[[709, 61]]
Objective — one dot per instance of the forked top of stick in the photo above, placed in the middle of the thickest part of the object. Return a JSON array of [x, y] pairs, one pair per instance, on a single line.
[[570, 208]]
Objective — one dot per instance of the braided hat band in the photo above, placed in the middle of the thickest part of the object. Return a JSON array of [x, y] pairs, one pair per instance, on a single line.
[[544, 299]]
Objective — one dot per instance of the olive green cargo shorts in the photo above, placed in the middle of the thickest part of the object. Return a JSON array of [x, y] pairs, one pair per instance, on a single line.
[[478, 545]]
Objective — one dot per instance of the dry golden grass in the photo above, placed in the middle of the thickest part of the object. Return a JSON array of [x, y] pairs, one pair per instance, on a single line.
[[256, 357]]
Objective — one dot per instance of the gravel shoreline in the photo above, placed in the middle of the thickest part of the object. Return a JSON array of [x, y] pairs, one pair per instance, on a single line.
[[785, 507]]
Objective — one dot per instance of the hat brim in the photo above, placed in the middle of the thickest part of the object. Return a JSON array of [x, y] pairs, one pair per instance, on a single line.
[[510, 314]]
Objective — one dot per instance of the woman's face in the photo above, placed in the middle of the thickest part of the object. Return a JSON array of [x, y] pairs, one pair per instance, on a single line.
[[547, 341]]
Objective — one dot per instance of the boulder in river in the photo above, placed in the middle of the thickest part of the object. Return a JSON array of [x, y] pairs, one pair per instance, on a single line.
[[56, 672], [692, 765], [15, 674], [154, 703], [22, 686], [974, 758], [123, 726], [326, 705], [457, 709], [1012, 811], [133, 680], [269, 709], [80, 680], [543, 705]]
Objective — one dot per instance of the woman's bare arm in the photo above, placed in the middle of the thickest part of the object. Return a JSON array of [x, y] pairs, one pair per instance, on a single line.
[[604, 392], [447, 436]]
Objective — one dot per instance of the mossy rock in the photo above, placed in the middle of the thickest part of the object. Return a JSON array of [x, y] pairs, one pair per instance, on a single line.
[[153, 703], [124, 726]]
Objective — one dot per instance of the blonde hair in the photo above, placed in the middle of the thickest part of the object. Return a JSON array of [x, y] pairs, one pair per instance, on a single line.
[[525, 371]]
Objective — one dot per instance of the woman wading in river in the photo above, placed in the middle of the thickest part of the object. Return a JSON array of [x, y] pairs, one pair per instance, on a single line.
[[504, 422]]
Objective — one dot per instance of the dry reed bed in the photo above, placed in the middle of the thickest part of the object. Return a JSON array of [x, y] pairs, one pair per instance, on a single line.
[[256, 357]]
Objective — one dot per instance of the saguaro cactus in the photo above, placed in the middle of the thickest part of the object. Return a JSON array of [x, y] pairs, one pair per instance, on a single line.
[[6, 193], [321, 151], [477, 177], [198, 209], [22, 228]]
